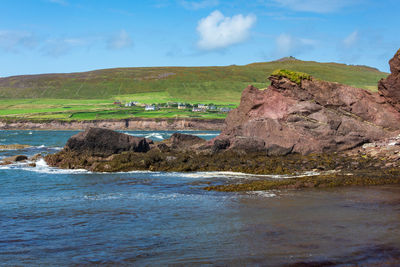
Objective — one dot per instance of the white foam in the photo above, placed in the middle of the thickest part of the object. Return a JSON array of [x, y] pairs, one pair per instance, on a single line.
[[30, 133], [42, 167], [232, 175], [155, 135], [267, 194]]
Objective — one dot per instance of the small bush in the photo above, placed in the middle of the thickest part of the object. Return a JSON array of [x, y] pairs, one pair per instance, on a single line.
[[294, 76]]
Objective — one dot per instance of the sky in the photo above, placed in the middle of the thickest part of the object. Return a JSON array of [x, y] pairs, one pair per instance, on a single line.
[[53, 36]]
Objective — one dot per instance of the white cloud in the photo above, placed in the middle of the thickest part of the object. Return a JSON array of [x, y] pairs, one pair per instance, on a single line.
[[351, 40], [120, 41], [14, 41], [316, 6], [287, 45], [195, 5], [217, 31]]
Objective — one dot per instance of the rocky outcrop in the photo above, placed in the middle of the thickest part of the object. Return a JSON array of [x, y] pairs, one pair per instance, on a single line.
[[304, 119], [389, 88], [10, 160], [103, 143], [308, 116], [16, 158]]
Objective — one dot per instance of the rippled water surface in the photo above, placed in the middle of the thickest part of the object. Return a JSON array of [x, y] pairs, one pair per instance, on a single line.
[[64, 217]]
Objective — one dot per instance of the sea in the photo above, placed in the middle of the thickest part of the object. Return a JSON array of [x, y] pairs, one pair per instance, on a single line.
[[55, 217]]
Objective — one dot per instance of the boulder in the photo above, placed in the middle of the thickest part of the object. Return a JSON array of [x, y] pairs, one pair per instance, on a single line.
[[15, 158], [389, 87], [103, 142], [310, 116], [184, 141]]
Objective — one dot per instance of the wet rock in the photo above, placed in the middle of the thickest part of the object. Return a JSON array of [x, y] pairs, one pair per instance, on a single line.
[[163, 147], [248, 144], [104, 142], [275, 150], [15, 158], [185, 140], [220, 144], [182, 142], [36, 157], [13, 147]]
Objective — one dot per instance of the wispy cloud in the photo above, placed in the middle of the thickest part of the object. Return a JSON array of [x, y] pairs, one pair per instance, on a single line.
[[57, 47], [351, 39], [288, 45], [217, 31], [316, 6], [119, 41], [60, 2], [15, 41], [195, 5]]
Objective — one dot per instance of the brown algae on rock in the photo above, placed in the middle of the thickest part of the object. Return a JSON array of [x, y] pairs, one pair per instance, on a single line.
[[13, 147]]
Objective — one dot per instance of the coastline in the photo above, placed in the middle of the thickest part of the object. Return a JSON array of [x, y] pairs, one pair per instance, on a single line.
[[140, 124]]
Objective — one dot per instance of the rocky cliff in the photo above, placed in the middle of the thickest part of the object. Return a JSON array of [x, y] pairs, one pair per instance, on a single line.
[[389, 88], [298, 113]]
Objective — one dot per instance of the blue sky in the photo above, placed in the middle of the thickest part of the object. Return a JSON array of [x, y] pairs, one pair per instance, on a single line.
[[47, 36]]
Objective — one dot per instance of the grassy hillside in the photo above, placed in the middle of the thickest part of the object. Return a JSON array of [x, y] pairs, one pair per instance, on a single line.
[[187, 84], [90, 95]]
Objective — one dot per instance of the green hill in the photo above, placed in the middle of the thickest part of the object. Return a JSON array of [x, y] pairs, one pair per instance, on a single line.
[[190, 84], [90, 95]]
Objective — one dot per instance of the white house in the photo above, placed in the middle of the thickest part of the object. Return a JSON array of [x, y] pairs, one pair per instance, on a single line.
[[149, 107]]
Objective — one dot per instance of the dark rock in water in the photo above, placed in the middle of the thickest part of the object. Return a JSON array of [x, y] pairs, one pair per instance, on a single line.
[[103, 143], [310, 116], [389, 88], [15, 158]]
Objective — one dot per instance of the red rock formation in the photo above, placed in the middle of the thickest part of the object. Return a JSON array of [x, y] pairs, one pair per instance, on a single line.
[[390, 87], [315, 116]]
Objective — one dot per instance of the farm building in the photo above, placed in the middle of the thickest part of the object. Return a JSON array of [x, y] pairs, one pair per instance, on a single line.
[[150, 107]]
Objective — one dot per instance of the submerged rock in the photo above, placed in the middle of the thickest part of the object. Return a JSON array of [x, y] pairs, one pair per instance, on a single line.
[[103, 142], [13, 147]]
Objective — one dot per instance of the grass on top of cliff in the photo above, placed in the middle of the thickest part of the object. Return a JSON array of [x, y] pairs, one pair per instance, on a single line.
[[294, 76]]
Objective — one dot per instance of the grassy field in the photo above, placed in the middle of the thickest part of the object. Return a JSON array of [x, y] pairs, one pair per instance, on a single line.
[[90, 95], [77, 110]]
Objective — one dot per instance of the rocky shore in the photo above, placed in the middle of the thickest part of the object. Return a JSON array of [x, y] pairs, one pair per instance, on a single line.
[[137, 124], [321, 133]]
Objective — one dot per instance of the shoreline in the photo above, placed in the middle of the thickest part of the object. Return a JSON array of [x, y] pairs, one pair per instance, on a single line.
[[139, 124]]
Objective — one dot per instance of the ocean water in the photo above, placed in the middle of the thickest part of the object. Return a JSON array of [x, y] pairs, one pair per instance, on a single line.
[[53, 217]]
